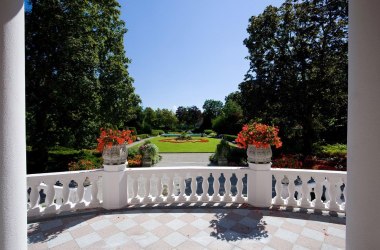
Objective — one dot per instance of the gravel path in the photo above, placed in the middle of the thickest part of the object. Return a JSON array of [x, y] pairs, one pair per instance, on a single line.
[[184, 159]]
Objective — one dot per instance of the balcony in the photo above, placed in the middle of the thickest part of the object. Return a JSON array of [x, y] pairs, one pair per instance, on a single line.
[[166, 208]]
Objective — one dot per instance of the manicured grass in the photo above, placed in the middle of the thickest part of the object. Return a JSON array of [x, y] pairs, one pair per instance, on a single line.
[[186, 147]]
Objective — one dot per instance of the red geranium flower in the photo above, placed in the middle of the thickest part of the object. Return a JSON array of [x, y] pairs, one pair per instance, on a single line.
[[260, 135], [109, 137]]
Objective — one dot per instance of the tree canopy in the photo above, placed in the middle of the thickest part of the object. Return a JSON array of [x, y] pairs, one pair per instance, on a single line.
[[298, 70], [76, 73]]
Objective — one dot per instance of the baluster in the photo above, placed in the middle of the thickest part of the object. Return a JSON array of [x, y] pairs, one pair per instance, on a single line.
[[318, 190], [182, 195], [171, 197], [334, 184], [193, 196], [94, 192], [160, 189], [34, 196], [205, 185], [291, 188], [65, 196], [343, 206], [278, 187], [80, 191], [305, 202], [65, 191], [147, 198], [135, 188], [216, 186], [227, 186], [50, 193], [239, 186], [51, 207]]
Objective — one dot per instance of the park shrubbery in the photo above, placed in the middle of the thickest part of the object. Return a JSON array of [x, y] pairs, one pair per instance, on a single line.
[[143, 136], [230, 138], [156, 132]]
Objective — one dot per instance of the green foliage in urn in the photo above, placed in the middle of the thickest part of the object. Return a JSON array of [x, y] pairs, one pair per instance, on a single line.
[[151, 151]]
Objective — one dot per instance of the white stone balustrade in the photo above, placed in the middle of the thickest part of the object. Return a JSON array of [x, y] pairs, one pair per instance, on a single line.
[[312, 189], [294, 187], [75, 190], [182, 185]]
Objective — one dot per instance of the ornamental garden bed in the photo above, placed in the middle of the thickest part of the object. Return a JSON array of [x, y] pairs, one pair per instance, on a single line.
[[195, 145]]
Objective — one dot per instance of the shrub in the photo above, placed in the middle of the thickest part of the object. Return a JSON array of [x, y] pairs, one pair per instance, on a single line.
[[81, 165], [133, 130], [143, 136], [183, 137], [287, 161], [151, 150], [230, 138], [60, 157], [132, 152], [208, 131], [156, 132], [237, 156], [332, 150], [212, 135]]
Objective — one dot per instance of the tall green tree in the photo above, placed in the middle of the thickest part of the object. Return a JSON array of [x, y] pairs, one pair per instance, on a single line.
[[189, 117], [166, 119], [230, 119], [76, 73], [298, 70], [211, 109]]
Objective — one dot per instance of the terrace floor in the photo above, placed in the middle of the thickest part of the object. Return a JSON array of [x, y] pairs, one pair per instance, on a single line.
[[223, 226]]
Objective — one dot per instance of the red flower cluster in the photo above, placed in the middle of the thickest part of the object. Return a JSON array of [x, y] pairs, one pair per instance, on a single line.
[[287, 161], [111, 137], [136, 161], [260, 135], [81, 165]]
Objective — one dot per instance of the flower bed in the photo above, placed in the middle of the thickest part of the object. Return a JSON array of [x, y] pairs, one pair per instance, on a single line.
[[184, 141]]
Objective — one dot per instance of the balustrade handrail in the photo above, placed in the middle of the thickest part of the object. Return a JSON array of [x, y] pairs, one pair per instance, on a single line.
[[309, 171], [189, 169], [147, 185], [64, 173]]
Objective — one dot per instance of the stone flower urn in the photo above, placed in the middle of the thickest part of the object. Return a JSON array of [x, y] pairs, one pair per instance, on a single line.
[[115, 155], [259, 155]]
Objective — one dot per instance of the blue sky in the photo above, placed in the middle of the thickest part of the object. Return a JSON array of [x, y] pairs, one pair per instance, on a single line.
[[184, 52]]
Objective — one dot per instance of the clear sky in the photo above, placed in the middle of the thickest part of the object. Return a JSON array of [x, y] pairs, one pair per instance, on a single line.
[[184, 52]]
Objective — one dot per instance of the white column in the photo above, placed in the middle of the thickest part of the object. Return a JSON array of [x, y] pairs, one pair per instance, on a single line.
[[363, 204], [12, 126], [259, 184], [115, 193]]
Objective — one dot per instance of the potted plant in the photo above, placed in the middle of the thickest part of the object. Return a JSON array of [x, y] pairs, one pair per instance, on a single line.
[[113, 146], [149, 151], [258, 138]]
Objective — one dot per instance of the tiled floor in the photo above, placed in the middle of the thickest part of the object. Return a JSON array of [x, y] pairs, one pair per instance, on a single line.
[[227, 227]]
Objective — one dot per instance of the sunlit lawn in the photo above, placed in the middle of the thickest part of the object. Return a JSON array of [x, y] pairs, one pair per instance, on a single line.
[[185, 147]]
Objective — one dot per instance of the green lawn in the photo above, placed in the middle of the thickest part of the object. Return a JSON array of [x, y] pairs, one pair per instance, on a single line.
[[187, 147]]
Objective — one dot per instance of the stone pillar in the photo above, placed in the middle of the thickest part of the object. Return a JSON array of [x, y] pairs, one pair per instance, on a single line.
[[259, 184], [115, 193], [13, 217], [363, 187]]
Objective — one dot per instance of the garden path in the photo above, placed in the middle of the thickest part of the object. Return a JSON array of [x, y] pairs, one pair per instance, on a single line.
[[184, 159]]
